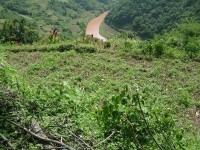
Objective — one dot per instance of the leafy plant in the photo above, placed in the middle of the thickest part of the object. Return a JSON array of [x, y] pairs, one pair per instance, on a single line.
[[18, 32], [139, 125]]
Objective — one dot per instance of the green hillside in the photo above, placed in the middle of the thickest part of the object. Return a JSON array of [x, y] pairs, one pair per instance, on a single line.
[[69, 16], [122, 92], [69, 91], [146, 18]]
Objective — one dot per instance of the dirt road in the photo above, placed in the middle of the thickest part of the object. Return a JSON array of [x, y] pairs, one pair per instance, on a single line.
[[94, 26]]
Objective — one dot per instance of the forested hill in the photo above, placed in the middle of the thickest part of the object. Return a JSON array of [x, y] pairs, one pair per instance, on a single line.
[[69, 16], [147, 18]]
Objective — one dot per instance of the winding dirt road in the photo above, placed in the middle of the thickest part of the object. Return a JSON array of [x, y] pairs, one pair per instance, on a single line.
[[94, 26]]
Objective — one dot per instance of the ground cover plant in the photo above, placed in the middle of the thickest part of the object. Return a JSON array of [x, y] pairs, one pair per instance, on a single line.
[[83, 93], [94, 100]]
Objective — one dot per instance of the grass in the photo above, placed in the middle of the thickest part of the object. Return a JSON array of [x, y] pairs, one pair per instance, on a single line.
[[105, 72], [109, 70], [106, 31]]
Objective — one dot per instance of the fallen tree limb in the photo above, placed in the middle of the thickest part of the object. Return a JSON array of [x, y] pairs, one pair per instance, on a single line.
[[46, 139], [38, 130], [77, 137], [7, 141]]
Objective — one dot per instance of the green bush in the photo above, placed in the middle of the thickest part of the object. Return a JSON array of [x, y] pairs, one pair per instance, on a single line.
[[65, 47], [137, 125], [159, 49], [182, 42], [146, 47], [18, 32], [192, 49], [62, 47], [107, 44], [83, 48]]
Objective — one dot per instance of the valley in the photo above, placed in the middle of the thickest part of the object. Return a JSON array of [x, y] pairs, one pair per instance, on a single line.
[[99, 75]]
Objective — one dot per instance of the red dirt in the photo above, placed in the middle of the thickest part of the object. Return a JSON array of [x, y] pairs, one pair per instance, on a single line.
[[94, 25]]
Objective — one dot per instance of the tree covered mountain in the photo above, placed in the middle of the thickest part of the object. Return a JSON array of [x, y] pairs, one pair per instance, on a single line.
[[69, 16], [147, 18]]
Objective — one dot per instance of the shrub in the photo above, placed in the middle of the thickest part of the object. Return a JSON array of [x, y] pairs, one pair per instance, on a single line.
[[65, 47], [192, 49], [85, 48], [107, 44], [147, 48], [137, 125], [159, 49], [19, 31], [82, 48]]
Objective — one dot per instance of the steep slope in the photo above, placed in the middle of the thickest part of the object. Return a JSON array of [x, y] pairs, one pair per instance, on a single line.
[[147, 18], [69, 16], [67, 90]]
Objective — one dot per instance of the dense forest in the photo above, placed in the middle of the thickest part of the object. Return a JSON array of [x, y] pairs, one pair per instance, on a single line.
[[147, 18], [62, 89]]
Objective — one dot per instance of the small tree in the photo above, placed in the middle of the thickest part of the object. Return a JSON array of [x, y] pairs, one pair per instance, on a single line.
[[18, 31]]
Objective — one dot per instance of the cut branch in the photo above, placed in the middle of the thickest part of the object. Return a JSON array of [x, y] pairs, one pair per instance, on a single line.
[[79, 139], [6, 140], [105, 139], [46, 139]]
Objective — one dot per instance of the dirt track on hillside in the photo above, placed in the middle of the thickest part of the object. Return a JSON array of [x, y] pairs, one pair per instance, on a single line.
[[94, 26]]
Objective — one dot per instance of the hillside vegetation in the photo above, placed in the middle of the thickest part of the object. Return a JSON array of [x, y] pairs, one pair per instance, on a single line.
[[146, 18], [82, 93], [99, 96], [69, 16]]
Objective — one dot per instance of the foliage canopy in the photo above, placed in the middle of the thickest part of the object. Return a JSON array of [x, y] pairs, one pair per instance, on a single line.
[[147, 18]]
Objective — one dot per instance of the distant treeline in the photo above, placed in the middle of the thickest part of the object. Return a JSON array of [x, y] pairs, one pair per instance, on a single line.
[[147, 18], [19, 6]]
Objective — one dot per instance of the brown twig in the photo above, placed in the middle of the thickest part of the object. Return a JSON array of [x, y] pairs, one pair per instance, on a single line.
[[79, 139], [46, 139], [105, 139], [6, 140]]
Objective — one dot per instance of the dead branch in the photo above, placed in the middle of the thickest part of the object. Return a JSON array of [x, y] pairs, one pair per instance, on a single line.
[[38, 130], [105, 139], [46, 139], [6, 140], [79, 139]]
